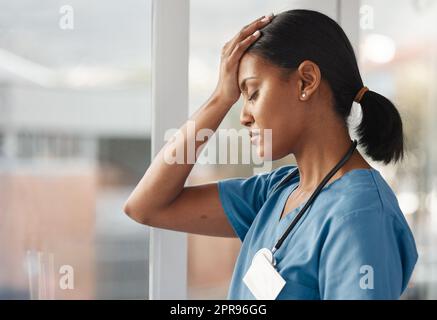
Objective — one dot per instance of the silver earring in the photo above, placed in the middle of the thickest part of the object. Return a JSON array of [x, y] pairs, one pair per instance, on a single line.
[[304, 94]]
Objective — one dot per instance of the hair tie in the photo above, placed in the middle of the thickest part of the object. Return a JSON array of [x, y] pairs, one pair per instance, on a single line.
[[360, 94]]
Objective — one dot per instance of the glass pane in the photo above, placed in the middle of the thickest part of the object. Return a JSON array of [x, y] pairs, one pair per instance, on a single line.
[[212, 24], [398, 59], [74, 141]]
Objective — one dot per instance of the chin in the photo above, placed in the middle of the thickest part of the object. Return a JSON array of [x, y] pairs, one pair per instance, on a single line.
[[278, 154], [267, 156], [270, 152]]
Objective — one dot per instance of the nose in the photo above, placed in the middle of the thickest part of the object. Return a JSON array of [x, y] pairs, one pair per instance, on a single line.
[[246, 118]]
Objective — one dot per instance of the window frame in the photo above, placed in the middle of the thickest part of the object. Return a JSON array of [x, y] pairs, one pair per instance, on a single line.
[[170, 45]]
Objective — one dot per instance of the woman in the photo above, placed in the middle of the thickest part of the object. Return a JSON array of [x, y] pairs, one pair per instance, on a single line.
[[298, 75]]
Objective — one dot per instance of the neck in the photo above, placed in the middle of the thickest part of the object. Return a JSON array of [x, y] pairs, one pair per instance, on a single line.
[[319, 152]]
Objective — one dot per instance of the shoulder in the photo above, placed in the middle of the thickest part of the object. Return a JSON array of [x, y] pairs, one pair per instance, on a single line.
[[365, 195], [354, 191], [265, 179], [256, 187]]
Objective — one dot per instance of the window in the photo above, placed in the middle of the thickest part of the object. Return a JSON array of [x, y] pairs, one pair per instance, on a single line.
[[75, 139], [398, 60]]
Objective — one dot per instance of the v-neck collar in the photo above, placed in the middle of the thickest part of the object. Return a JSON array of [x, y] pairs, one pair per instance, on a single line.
[[283, 202], [285, 194]]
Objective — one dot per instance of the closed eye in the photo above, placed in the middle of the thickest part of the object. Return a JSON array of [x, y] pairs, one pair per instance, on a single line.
[[253, 96]]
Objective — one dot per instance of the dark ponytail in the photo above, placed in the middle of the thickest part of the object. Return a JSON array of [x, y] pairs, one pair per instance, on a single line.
[[297, 35], [380, 130]]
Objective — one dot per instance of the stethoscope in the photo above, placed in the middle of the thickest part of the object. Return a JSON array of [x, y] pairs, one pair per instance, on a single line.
[[270, 253]]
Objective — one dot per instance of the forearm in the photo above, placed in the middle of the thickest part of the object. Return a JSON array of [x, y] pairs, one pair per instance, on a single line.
[[163, 181]]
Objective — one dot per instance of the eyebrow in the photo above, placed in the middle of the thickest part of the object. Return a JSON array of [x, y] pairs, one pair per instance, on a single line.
[[243, 83]]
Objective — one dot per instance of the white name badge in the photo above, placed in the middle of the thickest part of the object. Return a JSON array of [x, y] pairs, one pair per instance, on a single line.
[[261, 278]]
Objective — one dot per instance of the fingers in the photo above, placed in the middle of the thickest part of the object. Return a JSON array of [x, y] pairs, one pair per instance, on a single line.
[[241, 47], [252, 27], [247, 31], [255, 21]]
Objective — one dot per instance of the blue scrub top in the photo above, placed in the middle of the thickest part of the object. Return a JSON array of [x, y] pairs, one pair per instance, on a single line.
[[353, 242]]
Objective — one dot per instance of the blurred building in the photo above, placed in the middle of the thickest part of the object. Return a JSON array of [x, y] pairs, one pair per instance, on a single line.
[[74, 140]]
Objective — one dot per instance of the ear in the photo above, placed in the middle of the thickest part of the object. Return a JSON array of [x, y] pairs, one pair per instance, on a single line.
[[309, 79]]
